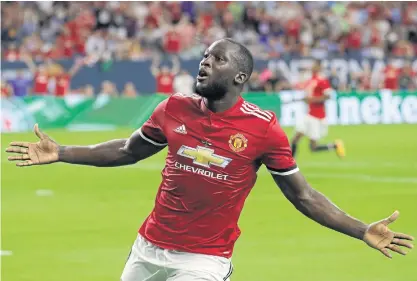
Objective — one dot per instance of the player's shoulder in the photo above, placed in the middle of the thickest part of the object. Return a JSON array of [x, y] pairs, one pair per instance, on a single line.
[[185, 98], [180, 100], [256, 118]]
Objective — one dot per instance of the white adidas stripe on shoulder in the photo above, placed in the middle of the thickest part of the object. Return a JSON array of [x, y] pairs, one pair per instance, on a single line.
[[256, 111], [254, 107]]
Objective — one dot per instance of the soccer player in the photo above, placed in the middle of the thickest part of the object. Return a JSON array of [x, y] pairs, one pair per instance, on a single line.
[[314, 124], [216, 143]]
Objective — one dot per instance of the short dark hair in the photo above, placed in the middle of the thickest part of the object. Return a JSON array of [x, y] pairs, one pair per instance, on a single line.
[[244, 58]]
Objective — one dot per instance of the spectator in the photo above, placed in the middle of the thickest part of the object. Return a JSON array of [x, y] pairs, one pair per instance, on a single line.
[[390, 77], [184, 83], [88, 90], [20, 84], [12, 53], [6, 90], [108, 89], [335, 81], [164, 76], [130, 91], [41, 76], [407, 78], [96, 44], [63, 78], [365, 80], [354, 82], [172, 43]]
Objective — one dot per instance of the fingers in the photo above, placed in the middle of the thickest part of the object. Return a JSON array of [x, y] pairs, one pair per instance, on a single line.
[[38, 132], [396, 249], [391, 218], [18, 157], [19, 143], [26, 163], [400, 242], [16, 149], [403, 236], [386, 252]]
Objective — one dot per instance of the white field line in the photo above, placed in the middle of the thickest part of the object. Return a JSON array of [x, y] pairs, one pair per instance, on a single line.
[[5, 253]]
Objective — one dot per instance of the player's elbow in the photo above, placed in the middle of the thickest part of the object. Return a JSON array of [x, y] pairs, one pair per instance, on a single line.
[[304, 198]]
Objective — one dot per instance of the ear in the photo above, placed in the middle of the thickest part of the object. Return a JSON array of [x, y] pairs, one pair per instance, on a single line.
[[241, 78]]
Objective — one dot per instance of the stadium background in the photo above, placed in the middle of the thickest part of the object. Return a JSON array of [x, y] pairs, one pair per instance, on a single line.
[[76, 223]]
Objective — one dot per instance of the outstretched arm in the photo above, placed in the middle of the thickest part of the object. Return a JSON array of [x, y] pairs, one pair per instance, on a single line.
[[112, 153], [317, 207], [76, 67], [176, 65], [146, 141], [30, 64], [108, 154], [279, 161], [155, 66]]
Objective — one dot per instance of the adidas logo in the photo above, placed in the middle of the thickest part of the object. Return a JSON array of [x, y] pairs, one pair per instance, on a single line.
[[181, 130]]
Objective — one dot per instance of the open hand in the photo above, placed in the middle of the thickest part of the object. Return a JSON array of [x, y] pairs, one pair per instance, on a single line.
[[45, 151], [380, 237]]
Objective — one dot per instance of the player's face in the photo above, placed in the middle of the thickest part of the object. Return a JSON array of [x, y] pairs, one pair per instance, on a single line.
[[217, 70]]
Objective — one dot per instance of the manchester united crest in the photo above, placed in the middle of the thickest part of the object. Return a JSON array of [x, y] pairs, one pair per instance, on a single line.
[[238, 142]]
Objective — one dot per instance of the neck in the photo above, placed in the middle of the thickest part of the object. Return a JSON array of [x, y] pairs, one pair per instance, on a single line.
[[222, 104]]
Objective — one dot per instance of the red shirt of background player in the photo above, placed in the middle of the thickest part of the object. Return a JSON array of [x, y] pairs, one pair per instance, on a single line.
[[164, 83], [172, 42], [318, 87], [391, 78], [62, 84], [210, 169], [41, 83]]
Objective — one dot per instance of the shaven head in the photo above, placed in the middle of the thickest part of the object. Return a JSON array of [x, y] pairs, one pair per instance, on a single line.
[[243, 58]]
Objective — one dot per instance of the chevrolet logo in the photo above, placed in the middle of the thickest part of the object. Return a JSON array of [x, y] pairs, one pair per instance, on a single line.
[[204, 156]]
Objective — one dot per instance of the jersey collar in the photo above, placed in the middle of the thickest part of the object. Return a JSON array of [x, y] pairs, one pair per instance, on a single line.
[[235, 107]]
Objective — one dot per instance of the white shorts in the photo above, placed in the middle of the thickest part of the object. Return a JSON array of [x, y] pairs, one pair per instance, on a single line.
[[312, 127], [151, 263]]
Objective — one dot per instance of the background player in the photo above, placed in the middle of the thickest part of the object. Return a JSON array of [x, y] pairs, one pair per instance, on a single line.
[[216, 144], [314, 124]]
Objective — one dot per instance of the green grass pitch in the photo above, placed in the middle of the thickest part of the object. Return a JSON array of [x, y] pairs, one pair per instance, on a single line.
[[84, 230]]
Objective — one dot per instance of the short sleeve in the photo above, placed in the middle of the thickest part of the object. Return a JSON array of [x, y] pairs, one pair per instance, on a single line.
[[278, 155], [152, 130]]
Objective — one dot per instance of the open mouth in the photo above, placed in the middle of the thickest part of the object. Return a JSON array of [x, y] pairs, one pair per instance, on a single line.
[[202, 75]]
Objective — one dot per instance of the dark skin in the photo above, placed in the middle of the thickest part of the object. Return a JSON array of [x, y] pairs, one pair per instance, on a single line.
[[221, 73]]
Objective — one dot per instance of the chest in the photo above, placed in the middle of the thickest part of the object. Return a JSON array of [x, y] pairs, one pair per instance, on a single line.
[[211, 142]]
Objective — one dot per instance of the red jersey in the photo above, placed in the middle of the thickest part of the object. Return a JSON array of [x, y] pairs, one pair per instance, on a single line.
[[172, 42], [319, 86], [41, 83], [164, 83], [210, 169], [391, 78], [62, 85]]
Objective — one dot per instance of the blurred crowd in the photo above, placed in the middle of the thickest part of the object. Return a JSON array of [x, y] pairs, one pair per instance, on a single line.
[[136, 30], [46, 31]]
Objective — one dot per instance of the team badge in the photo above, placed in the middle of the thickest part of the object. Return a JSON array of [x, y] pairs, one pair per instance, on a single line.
[[238, 142]]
